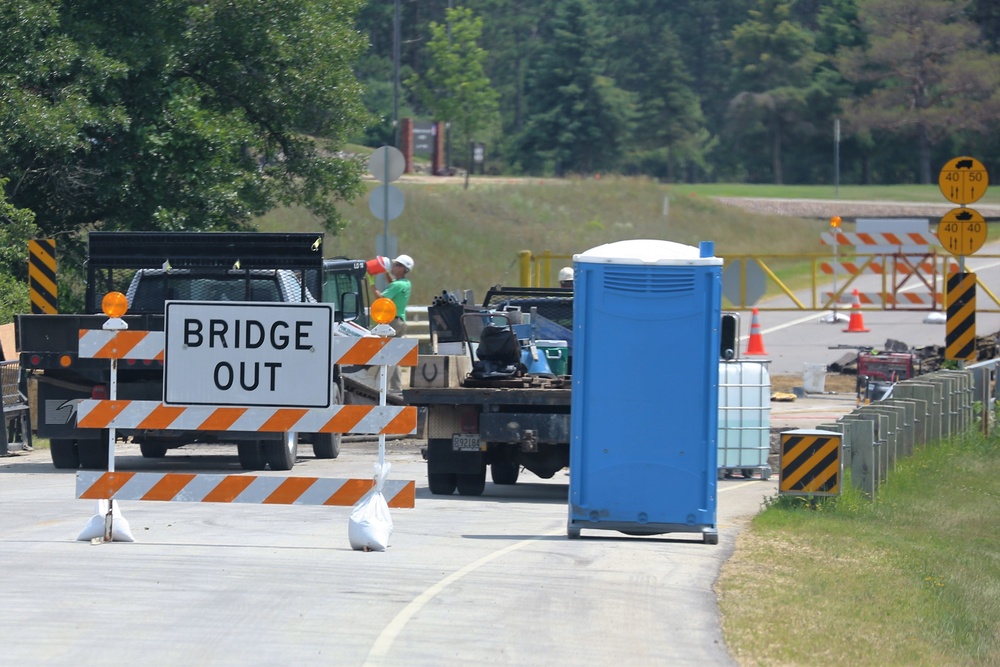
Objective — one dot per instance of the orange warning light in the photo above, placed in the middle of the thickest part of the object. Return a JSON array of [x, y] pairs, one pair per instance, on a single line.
[[114, 304], [383, 310], [835, 221]]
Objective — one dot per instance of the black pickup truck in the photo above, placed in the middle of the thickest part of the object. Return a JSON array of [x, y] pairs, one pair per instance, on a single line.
[[151, 268]]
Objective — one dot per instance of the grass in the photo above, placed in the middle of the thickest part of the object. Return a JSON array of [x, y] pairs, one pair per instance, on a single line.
[[470, 239], [910, 579]]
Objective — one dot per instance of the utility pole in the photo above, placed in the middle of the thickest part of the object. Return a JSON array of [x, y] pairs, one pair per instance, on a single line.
[[395, 74]]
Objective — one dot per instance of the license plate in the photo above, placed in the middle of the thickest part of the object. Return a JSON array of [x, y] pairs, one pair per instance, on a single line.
[[465, 442]]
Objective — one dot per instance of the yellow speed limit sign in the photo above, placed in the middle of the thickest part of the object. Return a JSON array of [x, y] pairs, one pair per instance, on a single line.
[[963, 180], [962, 231]]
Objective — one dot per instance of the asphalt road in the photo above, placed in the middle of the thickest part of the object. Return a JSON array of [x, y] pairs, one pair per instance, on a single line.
[[490, 580], [796, 338]]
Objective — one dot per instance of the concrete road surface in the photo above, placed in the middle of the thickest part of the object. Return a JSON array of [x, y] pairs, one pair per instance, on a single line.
[[490, 580]]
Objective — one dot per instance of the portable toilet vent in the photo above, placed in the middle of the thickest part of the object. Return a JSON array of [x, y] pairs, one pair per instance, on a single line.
[[644, 418]]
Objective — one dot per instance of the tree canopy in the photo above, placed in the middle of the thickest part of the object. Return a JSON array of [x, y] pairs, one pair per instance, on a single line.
[[741, 90], [179, 116]]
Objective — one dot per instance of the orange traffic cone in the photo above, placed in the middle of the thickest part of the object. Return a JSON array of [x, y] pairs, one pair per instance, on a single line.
[[756, 343], [856, 323]]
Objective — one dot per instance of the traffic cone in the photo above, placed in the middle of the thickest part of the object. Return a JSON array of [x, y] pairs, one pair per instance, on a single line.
[[856, 323], [755, 346]]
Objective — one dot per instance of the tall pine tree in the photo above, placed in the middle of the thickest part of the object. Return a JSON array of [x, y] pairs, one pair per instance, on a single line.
[[577, 119]]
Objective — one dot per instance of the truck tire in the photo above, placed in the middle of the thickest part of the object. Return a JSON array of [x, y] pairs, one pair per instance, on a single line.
[[64, 454], [505, 472], [441, 483], [471, 484], [152, 450], [326, 445], [281, 455], [251, 455], [93, 454]]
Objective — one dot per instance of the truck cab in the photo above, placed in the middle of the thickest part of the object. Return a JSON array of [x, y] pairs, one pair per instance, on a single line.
[[152, 268]]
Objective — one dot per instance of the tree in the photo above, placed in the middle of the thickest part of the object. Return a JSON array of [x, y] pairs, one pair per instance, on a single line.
[[645, 59], [17, 227], [930, 78], [775, 60], [455, 87], [577, 118], [180, 116]]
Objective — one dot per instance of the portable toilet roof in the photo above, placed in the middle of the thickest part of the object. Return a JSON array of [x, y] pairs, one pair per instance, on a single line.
[[652, 252]]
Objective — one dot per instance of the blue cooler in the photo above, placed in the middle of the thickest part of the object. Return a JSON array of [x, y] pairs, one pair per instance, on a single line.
[[644, 419]]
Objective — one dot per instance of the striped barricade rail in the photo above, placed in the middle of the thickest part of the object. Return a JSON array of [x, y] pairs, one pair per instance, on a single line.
[[861, 265], [885, 299], [101, 344], [862, 240], [250, 489], [157, 416]]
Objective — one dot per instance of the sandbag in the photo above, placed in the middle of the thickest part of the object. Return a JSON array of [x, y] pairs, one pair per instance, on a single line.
[[370, 525]]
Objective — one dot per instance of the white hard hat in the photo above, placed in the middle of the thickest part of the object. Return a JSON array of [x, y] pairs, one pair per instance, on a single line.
[[406, 261], [565, 273]]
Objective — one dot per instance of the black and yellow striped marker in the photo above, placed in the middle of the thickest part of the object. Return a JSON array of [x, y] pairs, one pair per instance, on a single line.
[[42, 276], [810, 463], [960, 327]]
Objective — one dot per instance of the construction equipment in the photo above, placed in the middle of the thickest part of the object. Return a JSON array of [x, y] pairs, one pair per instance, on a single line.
[[505, 411]]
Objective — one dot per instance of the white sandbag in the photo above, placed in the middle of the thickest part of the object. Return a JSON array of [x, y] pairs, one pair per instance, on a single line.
[[121, 531], [370, 525]]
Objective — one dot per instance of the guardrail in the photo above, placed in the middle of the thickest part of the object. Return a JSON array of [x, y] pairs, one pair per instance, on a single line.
[[417, 324]]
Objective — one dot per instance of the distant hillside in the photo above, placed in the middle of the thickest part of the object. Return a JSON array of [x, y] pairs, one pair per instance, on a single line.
[[470, 239]]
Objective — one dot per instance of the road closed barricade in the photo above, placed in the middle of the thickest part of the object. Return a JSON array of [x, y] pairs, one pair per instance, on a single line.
[[293, 394]]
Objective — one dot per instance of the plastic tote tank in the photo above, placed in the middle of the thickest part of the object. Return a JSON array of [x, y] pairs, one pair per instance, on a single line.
[[644, 410], [744, 417]]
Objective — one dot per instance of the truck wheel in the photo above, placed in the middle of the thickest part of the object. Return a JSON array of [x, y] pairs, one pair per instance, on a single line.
[[326, 445], [93, 454], [64, 454], [441, 483], [251, 455], [505, 472], [471, 485], [152, 451], [281, 455]]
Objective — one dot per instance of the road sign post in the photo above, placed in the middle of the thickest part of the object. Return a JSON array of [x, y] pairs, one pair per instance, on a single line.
[[962, 231], [386, 164]]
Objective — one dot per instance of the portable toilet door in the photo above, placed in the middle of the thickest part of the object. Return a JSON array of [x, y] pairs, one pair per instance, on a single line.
[[644, 418]]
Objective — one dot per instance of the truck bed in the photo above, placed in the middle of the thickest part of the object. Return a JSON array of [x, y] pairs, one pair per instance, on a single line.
[[511, 396]]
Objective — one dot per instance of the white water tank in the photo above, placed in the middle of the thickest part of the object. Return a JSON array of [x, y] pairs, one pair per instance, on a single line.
[[744, 414]]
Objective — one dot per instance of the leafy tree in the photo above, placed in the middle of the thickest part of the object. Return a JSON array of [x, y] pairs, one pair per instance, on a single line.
[[577, 118], [180, 116], [775, 60], [645, 59], [455, 87], [930, 78], [17, 227]]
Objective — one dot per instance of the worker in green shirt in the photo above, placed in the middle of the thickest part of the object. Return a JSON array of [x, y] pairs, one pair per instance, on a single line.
[[399, 291]]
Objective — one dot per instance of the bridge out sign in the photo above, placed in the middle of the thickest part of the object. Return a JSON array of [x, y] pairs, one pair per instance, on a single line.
[[248, 354]]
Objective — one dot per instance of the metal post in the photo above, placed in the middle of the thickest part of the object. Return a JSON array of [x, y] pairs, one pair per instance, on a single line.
[[836, 156], [395, 78]]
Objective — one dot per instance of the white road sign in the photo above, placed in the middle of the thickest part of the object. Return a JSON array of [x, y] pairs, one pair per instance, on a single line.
[[248, 354]]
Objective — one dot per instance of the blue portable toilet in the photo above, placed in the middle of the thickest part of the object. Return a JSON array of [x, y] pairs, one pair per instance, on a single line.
[[644, 418]]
